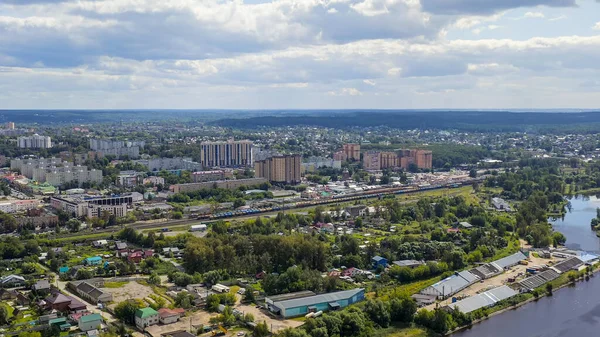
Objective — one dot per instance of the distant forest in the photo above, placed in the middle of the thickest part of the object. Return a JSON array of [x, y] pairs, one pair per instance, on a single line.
[[501, 121]]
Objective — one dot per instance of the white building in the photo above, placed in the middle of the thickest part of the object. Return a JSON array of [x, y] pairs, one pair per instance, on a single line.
[[146, 317], [18, 206], [35, 142], [55, 171]]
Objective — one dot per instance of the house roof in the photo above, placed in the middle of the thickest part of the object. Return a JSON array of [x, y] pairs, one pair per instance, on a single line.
[[90, 318], [41, 284], [408, 263], [379, 258], [324, 298], [12, 278], [165, 312], [94, 258], [58, 298], [145, 312]]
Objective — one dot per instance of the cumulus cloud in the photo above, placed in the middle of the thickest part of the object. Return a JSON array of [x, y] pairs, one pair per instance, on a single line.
[[144, 52], [596, 26]]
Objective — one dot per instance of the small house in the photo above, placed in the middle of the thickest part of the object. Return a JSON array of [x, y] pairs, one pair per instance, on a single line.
[[41, 287], [379, 261], [92, 261], [89, 322], [12, 281], [99, 243], [168, 316]]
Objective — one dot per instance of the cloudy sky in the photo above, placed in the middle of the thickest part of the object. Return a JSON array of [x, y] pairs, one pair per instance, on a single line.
[[302, 54]]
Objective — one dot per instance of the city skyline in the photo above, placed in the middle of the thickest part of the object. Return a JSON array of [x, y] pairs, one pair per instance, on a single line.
[[380, 54]]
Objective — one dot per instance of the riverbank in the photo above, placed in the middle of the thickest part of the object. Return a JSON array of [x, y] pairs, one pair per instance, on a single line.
[[565, 280]]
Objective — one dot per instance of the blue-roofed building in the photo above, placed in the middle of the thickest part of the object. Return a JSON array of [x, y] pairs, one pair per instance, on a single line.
[[379, 261], [324, 302], [63, 270], [92, 261]]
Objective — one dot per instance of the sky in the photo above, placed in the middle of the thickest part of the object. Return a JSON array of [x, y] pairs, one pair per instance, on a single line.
[[299, 54]]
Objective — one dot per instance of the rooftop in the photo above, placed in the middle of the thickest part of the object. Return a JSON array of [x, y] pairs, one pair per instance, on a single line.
[[145, 312], [324, 298], [90, 318]]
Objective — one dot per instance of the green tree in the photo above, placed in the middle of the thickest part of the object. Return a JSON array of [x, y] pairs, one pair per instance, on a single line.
[[261, 329], [154, 279], [3, 315], [125, 311]]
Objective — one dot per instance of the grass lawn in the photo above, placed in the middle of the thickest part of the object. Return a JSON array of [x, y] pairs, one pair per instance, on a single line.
[[114, 284], [89, 236], [403, 331]]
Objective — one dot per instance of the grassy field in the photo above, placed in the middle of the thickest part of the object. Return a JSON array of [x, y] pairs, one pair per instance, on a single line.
[[114, 284]]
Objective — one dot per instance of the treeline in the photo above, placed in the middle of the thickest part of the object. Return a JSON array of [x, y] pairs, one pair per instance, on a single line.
[[222, 195], [248, 255], [298, 279]]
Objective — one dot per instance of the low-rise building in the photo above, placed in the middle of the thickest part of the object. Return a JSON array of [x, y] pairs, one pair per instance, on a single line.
[[18, 205], [146, 317], [168, 316], [90, 322], [324, 302]]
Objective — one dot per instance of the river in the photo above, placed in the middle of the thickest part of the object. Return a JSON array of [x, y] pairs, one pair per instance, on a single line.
[[572, 311]]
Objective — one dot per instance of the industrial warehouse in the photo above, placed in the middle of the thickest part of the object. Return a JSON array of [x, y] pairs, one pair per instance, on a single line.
[[461, 280], [539, 278], [301, 306]]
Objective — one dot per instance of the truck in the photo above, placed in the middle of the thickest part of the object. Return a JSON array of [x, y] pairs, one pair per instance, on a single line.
[[523, 262]]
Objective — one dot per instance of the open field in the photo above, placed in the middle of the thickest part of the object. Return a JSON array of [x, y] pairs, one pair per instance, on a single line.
[[130, 290], [261, 315], [198, 319]]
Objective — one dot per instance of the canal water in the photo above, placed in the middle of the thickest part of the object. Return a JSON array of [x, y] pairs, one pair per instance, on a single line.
[[572, 311]]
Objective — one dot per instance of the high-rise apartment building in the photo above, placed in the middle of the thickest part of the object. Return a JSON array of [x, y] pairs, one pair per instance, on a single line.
[[372, 161], [279, 169], [10, 125], [35, 142], [55, 172], [117, 148], [226, 154], [352, 151], [375, 161]]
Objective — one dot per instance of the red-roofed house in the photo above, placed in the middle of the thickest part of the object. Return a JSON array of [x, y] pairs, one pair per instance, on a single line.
[[135, 257], [168, 316]]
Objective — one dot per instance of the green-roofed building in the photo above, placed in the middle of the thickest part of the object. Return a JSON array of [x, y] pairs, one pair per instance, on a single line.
[[145, 317], [90, 322]]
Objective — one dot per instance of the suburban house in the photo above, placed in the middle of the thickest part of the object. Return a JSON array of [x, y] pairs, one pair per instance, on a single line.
[[138, 255], [100, 243], [7, 295], [120, 245], [23, 299], [41, 286], [168, 316], [379, 261], [145, 317], [89, 322], [351, 272], [92, 261], [63, 303], [12, 281], [357, 210], [90, 292]]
